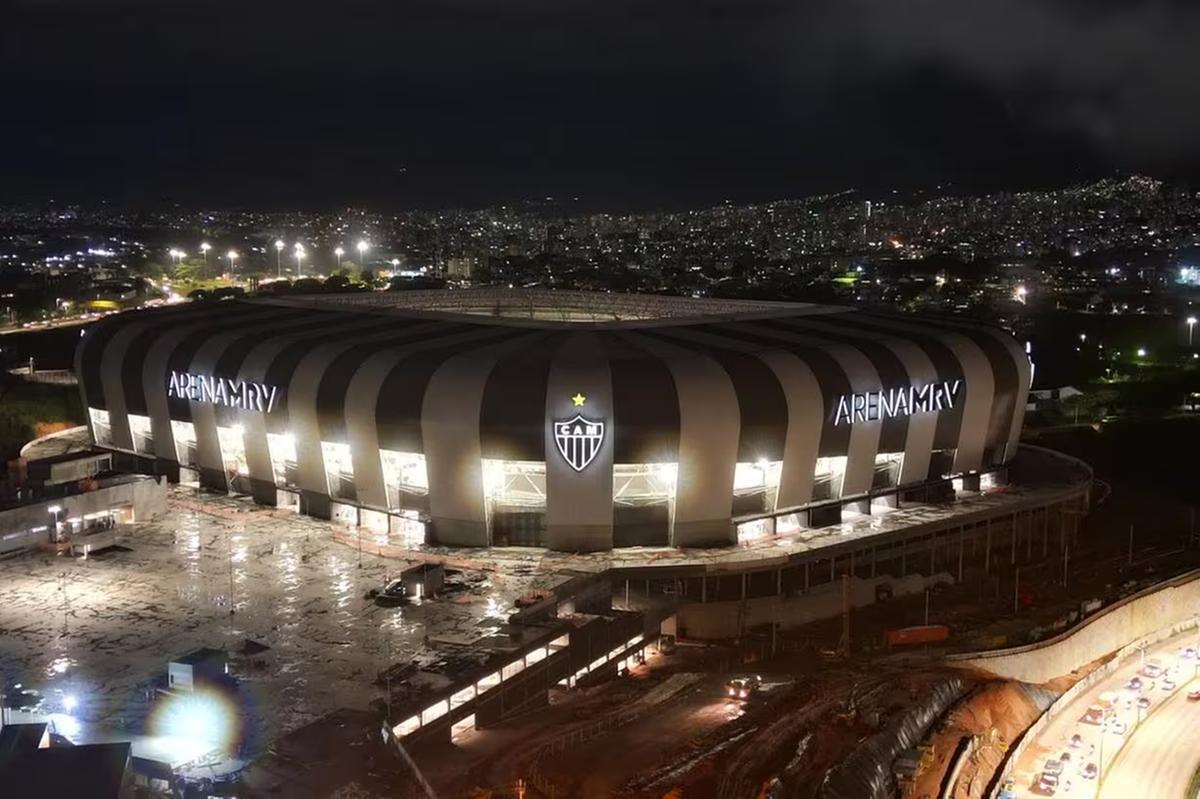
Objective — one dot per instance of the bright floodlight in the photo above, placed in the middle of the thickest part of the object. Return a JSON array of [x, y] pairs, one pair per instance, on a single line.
[[1141, 353], [54, 508], [1191, 320], [338, 251], [231, 255], [70, 702], [362, 247], [195, 723], [279, 245], [205, 246], [395, 262]]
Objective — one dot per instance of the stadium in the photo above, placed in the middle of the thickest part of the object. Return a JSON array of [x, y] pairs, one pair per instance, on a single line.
[[573, 421]]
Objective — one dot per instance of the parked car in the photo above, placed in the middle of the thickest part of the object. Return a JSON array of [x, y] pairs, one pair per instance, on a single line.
[[1193, 696], [1168, 684], [1144, 702], [1076, 741], [1054, 767], [1134, 684], [1118, 727], [1089, 771], [1152, 668]]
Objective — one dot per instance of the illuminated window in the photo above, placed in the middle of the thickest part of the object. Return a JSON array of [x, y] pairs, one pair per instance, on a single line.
[[233, 451], [282, 447], [339, 470], [488, 682], [403, 473], [184, 434], [512, 669], [535, 656], [515, 499], [101, 427], [887, 469], [515, 483], [435, 711], [756, 486], [407, 727], [827, 478], [142, 433], [462, 697], [644, 483]]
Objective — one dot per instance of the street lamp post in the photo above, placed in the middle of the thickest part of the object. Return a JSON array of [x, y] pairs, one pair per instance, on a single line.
[[299, 253], [362, 248], [279, 257], [339, 252], [232, 256], [1191, 323], [204, 248]]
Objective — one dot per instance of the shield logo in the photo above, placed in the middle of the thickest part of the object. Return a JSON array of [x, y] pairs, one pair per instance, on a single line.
[[578, 440]]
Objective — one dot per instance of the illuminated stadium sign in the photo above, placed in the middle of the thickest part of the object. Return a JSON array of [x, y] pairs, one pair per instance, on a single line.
[[578, 440], [222, 391], [870, 406]]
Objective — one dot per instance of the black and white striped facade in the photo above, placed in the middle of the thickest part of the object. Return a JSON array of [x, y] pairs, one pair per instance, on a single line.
[[475, 430]]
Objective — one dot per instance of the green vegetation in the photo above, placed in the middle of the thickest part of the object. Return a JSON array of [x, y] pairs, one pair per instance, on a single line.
[[28, 410]]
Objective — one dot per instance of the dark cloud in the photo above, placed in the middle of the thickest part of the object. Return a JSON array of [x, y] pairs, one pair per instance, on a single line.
[[623, 103]]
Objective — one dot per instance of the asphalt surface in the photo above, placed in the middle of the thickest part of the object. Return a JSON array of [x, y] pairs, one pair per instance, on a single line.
[[1161, 758], [1141, 746]]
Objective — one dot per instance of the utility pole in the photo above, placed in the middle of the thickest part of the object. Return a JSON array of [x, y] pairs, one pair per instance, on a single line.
[[1017, 591], [844, 644], [926, 607], [1066, 560], [1131, 545]]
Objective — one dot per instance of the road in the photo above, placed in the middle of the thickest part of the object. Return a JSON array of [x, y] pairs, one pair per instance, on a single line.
[[1161, 758], [1134, 743]]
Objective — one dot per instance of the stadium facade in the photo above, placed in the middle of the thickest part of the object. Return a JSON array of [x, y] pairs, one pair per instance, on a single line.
[[574, 421]]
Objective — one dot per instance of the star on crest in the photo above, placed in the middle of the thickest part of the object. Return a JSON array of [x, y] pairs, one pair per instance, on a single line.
[[578, 399]]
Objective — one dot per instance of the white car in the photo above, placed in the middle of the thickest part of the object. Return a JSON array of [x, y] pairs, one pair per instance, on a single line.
[[1118, 727]]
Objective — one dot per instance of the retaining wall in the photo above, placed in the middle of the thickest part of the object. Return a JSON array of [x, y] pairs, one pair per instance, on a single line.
[[1170, 604]]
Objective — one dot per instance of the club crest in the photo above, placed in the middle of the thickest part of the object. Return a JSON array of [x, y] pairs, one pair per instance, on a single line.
[[578, 440]]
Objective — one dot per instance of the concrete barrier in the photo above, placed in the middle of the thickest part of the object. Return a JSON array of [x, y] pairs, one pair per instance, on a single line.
[[1117, 632], [1170, 604]]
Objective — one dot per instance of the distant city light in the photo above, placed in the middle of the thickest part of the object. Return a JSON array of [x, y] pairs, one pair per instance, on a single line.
[[1141, 352]]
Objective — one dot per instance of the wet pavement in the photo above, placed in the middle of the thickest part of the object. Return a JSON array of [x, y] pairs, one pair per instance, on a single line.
[[91, 635]]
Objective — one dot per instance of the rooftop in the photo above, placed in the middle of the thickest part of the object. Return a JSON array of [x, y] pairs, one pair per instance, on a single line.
[[549, 305]]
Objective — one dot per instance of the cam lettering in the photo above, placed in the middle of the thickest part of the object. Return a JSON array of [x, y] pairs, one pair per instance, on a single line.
[[872, 406], [240, 394]]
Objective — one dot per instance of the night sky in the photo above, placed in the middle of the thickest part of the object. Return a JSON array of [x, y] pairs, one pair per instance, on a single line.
[[625, 105]]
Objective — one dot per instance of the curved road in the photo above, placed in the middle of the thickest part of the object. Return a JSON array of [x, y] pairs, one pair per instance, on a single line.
[[1145, 752], [1161, 758]]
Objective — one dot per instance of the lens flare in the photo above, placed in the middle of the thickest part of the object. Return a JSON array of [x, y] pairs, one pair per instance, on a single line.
[[195, 724]]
